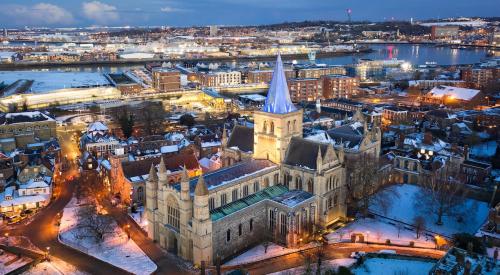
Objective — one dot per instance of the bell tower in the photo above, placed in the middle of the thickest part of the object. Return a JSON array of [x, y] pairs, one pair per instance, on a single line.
[[278, 121]]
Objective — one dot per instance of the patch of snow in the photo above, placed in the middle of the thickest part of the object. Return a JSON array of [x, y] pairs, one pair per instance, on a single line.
[[393, 266], [259, 253], [331, 264]]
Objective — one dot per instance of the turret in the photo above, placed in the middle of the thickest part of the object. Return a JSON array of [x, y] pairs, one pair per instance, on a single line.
[[151, 200], [224, 137], [202, 225], [201, 210], [162, 171], [185, 184], [319, 160]]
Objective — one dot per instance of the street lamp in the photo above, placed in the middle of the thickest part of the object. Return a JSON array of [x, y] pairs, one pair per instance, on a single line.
[[48, 252], [367, 236]]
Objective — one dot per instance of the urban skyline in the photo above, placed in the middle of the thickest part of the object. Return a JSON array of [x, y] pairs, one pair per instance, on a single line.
[[58, 13]]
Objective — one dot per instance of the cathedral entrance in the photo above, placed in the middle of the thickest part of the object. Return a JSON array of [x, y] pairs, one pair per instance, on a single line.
[[172, 245]]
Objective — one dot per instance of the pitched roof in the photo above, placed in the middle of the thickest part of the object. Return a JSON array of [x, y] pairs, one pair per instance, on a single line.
[[228, 174], [350, 135], [173, 163], [230, 208], [278, 98], [303, 152], [241, 137]]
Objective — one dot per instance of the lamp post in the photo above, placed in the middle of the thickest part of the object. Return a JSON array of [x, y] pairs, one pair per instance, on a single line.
[[48, 253], [7, 237]]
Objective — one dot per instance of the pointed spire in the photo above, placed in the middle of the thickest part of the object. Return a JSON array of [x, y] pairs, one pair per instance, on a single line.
[[201, 188], [278, 98], [185, 176], [162, 169], [152, 173], [319, 159], [224, 136]]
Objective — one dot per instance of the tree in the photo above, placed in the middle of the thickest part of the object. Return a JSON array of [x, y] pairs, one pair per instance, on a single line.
[[25, 106], [127, 123], [443, 192], [92, 224], [364, 178], [187, 120], [419, 223], [153, 116]]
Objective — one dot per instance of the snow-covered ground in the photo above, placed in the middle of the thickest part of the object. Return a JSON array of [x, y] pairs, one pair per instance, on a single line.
[[49, 81], [258, 253], [484, 150], [327, 265], [117, 249], [140, 218], [54, 267], [393, 266], [378, 231], [403, 208]]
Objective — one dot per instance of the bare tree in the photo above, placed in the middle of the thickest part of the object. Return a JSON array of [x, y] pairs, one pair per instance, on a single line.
[[443, 192], [364, 178], [93, 225], [419, 223]]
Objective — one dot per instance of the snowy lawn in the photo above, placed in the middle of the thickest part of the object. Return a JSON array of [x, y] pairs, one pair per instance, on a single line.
[[117, 249], [403, 208], [258, 253], [139, 217], [393, 266], [54, 267], [327, 265], [378, 231]]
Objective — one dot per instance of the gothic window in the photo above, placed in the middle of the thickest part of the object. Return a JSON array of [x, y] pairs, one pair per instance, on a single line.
[[264, 128], [335, 200], [211, 203], [294, 125], [223, 199], [329, 203], [272, 220], [256, 186], [235, 194], [310, 186], [140, 193], [288, 126], [298, 183], [283, 224], [276, 177], [251, 224], [173, 218], [272, 127], [245, 190], [240, 229], [228, 235]]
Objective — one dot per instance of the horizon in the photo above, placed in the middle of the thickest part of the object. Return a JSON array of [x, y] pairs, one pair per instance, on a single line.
[[150, 13]]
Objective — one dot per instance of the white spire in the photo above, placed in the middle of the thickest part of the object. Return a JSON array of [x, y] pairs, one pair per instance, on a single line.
[[278, 98]]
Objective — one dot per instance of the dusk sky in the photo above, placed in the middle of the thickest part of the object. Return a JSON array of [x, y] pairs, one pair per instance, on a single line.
[[64, 13]]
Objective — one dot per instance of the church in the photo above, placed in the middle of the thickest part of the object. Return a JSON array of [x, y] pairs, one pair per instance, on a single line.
[[275, 186]]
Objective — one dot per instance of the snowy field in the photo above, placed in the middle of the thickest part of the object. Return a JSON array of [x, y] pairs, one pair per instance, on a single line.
[[327, 265], [403, 209], [393, 266], [49, 81], [117, 249], [485, 150], [258, 253], [54, 267], [378, 231]]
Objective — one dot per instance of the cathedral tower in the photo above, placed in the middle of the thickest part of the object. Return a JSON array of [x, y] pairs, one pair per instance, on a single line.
[[278, 121], [152, 201], [202, 225]]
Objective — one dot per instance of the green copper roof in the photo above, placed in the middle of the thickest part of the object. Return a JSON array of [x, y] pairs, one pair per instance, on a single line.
[[267, 193]]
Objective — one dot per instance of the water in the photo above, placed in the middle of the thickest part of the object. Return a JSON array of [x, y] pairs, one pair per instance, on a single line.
[[416, 54]]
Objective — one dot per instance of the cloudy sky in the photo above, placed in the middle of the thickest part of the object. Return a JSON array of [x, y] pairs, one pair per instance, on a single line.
[[64, 13]]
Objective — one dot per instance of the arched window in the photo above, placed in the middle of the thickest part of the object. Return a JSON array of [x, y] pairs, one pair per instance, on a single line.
[[211, 203], [256, 185], [298, 183], [310, 186], [294, 124], [140, 193], [264, 127], [245, 190], [228, 235], [251, 224], [173, 213], [276, 178], [288, 126], [272, 127], [240, 229]]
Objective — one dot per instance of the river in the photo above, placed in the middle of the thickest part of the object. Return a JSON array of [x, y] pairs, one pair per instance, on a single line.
[[417, 54]]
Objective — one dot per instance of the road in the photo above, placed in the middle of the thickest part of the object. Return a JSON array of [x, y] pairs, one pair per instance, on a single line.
[[331, 251]]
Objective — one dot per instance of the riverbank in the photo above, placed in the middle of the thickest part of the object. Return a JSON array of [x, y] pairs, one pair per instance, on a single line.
[[135, 62]]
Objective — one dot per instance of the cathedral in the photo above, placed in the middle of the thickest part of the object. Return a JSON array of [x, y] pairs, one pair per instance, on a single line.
[[275, 186]]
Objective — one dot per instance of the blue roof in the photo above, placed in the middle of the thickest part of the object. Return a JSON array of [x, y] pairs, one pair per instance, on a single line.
[[278, 98]]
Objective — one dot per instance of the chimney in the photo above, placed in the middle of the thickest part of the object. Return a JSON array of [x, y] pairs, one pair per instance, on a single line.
[[428, 138]]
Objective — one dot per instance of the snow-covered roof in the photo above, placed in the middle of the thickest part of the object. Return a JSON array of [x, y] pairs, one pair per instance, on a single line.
[[169, 149], [97, 126], [454, 92]]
